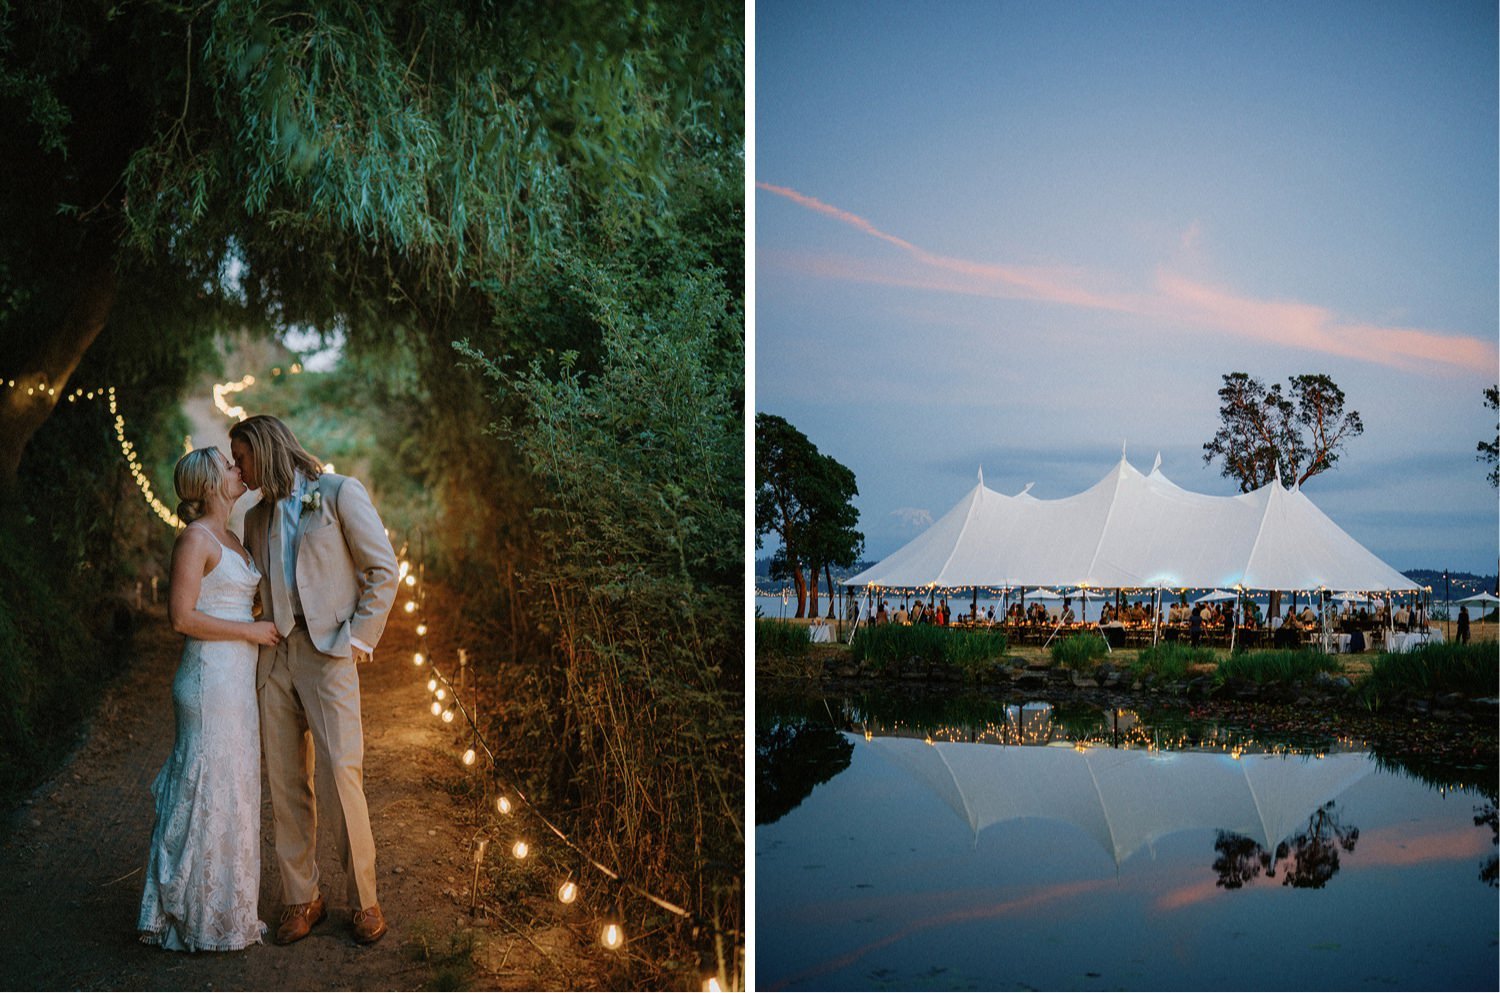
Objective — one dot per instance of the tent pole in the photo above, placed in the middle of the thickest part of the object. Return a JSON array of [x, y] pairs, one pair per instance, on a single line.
[[1234, 620], [1155, 615]]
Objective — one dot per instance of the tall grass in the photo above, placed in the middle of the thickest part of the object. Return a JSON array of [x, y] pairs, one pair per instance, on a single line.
[[779, 639], [886, 646], [1433, 670], [1079, 651], [1283, 667], [1170, 659]]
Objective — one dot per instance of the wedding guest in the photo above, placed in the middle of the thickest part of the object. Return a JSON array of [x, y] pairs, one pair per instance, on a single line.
[[1463, 625]]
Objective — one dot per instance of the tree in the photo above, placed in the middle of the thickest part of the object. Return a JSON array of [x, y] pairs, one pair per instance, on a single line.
[[1489, 451], [804, 497], [1265, 434], [322, 162]]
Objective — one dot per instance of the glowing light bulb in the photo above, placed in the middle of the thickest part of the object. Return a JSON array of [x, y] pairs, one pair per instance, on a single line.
[[448, 716], [520, 849], [502, 804], [442, 694], [567, 892], [437, 708], [431, 685], [411, 580], [612, 936], [411, 605], [421, 630], [469, 757], [418, 658], [405, 568]]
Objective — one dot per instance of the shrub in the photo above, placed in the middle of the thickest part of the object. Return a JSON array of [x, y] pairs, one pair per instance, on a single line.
[[1171, 659], [1433, 669], [1079, 651], [1284, 667]]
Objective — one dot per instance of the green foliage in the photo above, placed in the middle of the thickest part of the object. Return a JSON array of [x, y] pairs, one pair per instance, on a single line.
[[776, 639], [636, 442], [1282, 667], [806, 499], [1171, 660], [1265, 434], [1079, 651], [887, 646], [1433, 670]]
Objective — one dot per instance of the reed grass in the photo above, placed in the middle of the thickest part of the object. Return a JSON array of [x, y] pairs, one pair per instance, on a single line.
[[1432, 670], [1079, 651], [1277, 666], [887, 646], [1171, 660]]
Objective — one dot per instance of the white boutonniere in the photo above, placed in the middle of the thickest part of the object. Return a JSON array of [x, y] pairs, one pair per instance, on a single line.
[[312, 501]]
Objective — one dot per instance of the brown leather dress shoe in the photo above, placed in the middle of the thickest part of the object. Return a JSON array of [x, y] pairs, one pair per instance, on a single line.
[[369, 925], [298, 919]]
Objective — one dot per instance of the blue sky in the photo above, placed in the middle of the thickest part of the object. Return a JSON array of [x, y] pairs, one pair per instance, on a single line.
[[1020, 235]]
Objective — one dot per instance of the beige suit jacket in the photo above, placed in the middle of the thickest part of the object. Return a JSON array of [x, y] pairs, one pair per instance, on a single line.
[[346, 568]]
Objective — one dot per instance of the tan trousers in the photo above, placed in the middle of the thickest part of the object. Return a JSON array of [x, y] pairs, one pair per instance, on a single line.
[[310, 729]]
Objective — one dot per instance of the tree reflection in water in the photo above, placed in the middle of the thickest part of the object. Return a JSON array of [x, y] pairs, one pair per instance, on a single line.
[[792, 756], [1487, 815], [1308, 860]]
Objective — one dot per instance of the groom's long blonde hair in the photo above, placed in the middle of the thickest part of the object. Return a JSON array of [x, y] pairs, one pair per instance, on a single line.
[[277, 454]]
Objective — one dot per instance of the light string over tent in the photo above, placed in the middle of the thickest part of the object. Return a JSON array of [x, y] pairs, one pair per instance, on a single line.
[[447, 696]]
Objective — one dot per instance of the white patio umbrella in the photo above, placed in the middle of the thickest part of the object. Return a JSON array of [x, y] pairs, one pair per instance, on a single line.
[[1484, 597], [1216, 595]]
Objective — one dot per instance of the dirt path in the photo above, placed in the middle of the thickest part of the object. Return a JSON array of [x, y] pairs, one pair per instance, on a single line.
[[73, 853]]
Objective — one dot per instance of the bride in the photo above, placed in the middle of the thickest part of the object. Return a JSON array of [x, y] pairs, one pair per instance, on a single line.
[[203, 871]]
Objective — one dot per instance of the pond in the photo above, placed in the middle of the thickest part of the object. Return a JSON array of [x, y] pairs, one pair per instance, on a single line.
[[938, 844]]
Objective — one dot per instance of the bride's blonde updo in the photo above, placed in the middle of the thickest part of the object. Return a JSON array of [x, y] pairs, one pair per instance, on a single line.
[[198, 473]]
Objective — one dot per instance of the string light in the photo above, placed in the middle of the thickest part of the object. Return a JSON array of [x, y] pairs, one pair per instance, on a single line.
[[418, 659], [222, 390], [612, 935]]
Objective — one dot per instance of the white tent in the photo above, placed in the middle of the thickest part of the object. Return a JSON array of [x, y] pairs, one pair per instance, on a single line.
[[1136, 531], [1127, 799]]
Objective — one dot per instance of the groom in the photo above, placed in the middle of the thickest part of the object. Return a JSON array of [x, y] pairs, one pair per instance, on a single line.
[[328, 580]]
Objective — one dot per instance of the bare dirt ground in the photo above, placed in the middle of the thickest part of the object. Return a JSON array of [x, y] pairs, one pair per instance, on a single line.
[[73, 854]]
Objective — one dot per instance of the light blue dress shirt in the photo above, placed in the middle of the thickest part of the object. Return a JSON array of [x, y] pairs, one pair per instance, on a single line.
[[291, 514]]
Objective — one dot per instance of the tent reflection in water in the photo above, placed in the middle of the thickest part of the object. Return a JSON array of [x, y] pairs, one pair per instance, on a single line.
[[1127, 799]]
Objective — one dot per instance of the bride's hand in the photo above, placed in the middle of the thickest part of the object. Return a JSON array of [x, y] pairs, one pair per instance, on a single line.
[[264, 633]]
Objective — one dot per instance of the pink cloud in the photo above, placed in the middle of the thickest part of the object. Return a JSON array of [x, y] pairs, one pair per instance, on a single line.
[[1174, 299]]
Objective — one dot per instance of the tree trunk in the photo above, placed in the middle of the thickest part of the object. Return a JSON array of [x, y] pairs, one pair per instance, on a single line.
[[800, 582], [812, 608], [53, 363]]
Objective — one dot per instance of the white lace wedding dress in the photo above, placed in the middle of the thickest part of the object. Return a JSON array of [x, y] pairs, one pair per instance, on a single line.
[[203, 874]]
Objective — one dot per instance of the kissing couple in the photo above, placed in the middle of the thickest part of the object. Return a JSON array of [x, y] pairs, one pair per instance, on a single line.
[[321, 564]]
